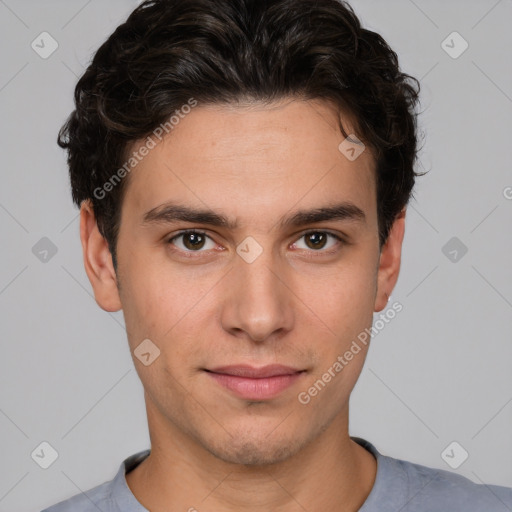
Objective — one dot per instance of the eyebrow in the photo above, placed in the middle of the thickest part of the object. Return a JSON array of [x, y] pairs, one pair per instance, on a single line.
[[168, 213]]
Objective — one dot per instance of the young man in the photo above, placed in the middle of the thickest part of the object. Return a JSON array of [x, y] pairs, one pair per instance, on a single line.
[[243, 169]]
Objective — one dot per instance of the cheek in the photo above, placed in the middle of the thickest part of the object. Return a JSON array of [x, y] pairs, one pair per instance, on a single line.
[[340, 299], [340, 308], [154, 300], [171, 310]]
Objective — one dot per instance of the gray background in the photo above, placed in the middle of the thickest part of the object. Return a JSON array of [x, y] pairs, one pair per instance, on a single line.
[[439, 372]]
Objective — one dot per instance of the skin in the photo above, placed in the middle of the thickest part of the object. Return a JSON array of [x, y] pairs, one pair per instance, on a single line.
[[294, 305]]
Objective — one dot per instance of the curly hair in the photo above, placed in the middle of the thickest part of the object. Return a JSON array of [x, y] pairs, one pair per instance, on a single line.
[[225, 51]]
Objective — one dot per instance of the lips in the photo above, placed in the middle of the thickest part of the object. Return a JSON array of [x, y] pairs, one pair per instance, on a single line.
[[252, 383], [252, 372]]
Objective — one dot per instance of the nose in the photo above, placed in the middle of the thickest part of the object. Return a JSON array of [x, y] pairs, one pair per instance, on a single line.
[[258, 299]]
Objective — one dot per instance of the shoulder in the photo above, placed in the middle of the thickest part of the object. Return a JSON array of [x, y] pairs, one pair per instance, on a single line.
[[111, 496], [410, 487], [89, 501], [428, 487]]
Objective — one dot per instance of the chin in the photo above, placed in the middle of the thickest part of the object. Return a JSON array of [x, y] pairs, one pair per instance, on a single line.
[[255, 451]]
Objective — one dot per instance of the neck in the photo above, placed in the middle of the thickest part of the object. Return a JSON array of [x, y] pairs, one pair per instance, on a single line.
[[332, 473]]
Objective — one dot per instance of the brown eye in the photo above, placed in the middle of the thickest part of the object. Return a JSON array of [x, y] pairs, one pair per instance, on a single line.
[[192, 241], [318, 240]]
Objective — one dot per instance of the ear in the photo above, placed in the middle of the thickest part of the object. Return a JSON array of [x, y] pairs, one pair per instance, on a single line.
[[389, 265], [98, 261]]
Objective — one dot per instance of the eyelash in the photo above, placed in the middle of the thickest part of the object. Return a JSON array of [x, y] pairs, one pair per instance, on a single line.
[[190, 254]]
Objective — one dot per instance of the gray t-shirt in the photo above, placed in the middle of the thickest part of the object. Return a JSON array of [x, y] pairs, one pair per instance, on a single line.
[[400, 486]]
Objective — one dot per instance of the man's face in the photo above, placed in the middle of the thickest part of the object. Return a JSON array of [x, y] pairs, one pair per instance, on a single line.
[[264, 292]]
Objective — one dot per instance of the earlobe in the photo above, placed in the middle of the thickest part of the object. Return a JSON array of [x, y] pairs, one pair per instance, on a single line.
[[98, 261], [389, 265]]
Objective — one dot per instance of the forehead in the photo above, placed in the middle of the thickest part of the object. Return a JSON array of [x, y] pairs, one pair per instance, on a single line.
[[252, 158]]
